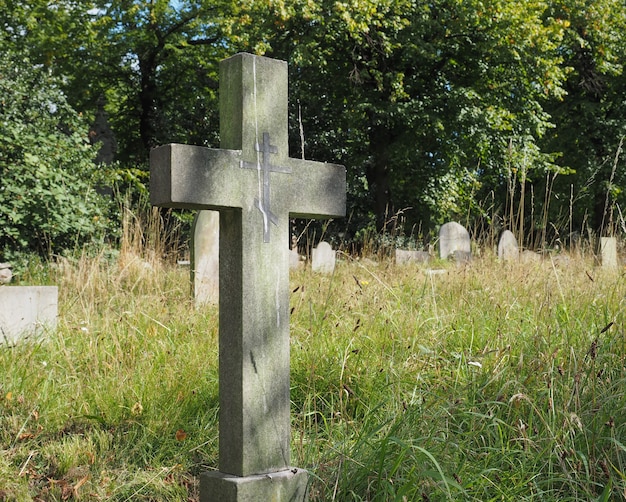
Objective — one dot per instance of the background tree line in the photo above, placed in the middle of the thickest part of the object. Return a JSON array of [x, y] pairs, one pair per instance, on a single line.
[[488, 111]]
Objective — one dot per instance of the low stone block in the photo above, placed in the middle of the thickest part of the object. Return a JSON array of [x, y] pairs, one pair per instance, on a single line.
[[205, 258], [608, 252], [404, 256], [288, 485], [528, 256], [27, 311]]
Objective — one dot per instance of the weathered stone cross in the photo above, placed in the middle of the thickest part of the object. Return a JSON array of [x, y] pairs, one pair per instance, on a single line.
[[254, 184]]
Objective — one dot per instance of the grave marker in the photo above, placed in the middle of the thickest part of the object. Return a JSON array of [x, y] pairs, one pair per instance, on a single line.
[[608, 252], [454, 242], [205, 244], [295, 261], [405, 256], [6, 274], [256, 187], [508, 249], [323, 258], [100, 132]]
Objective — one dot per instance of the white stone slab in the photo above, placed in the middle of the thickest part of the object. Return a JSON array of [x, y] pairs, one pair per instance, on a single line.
[[6, 273], [454, 242], [508, 249], [608, 252], [404, 256], [27, 311], [205, 257], [295, 260], [323, 258]]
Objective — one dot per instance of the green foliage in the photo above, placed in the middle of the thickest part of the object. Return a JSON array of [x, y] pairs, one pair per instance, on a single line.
[[47, 198], [156, 63], [424, 96], [436, 108], [590, 125]]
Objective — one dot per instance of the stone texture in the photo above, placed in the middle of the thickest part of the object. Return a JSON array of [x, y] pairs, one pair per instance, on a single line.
[[608, 252], [287, 485], [100, 132], [508, 250], [295, 260], [256, 187], [454, 242], [205, 247], [528, 256], [27, 311], [404, 256], [323, 258], [6, 274]]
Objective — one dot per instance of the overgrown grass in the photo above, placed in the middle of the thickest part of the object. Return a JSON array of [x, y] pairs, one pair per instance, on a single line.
[[488, 382]]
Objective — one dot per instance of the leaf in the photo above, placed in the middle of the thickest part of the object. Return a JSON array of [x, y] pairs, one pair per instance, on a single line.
[[31, 159], [181, 435]]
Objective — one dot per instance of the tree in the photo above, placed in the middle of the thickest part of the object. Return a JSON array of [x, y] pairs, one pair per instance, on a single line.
[[423, 101], [47, 197], [156, 63], [590, 119]]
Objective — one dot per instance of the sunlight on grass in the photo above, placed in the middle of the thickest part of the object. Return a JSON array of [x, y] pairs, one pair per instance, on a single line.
[[487, 382]]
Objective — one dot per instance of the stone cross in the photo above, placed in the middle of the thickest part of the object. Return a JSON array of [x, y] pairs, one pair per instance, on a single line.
[[256, 187]]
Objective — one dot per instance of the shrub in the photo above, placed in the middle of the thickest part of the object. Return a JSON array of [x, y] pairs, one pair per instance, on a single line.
[[48, 200]]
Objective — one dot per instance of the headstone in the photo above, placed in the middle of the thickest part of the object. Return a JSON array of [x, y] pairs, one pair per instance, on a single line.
[[205, 245], [454, 242], [529, 256], [436, 271], [256, 187], [101, 132], [563, 260], [27, 312], [323, 258], [508, 250], [6, 274], [295, 261], [404, 256], [608, 252]]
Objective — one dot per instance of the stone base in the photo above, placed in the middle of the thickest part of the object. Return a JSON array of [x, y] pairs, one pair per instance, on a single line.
[[283, 486]]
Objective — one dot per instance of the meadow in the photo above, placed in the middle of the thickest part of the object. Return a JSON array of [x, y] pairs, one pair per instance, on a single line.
[[490, 381]]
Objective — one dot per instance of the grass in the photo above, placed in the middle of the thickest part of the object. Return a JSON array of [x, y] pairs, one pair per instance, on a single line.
[[488, 382]]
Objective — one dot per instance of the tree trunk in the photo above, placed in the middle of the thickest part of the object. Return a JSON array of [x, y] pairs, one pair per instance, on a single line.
[[148, 104], [378, 174]]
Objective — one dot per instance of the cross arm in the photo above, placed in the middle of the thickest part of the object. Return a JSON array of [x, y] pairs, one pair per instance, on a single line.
[[193, 177], [317, 189]]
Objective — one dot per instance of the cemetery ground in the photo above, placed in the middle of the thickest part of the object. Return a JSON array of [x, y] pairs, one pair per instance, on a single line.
[[491, 381]]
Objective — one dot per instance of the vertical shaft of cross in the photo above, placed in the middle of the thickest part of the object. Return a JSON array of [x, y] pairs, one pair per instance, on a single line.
[[254, 311]]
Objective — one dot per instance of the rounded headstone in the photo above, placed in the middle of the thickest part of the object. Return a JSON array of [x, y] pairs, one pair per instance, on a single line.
[[454, 241], [508, 250], [323, 258]]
